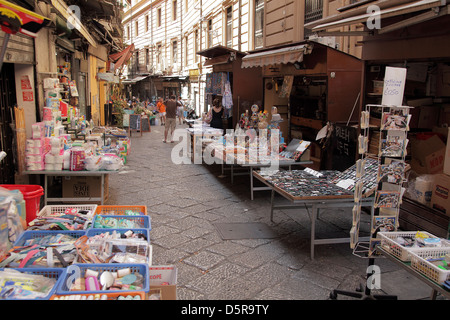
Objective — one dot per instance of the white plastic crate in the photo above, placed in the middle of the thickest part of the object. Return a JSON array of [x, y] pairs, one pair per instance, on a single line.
[[419, 262], [57, 210], [403, 253]]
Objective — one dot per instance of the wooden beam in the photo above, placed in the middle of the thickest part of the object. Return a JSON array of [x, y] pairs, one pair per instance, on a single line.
[[432, 14]]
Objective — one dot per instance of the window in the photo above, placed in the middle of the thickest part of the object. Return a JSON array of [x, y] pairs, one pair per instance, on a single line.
[[158, 17], [147, 56], [210, 33], [195, 46], [259, 24], [174, 51], [136, 25], [146, 23], [128, 32], [158, 53], [174, 10], [313, 11], [229, 27], [185, 50]]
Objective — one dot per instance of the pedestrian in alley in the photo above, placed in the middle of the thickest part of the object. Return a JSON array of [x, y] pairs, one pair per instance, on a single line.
[[171, 117], [216, 114], [180, 111], [161, 107]]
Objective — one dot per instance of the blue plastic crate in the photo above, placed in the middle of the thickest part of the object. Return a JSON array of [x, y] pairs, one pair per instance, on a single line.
[[79, 269], [94, 231], [138, 222], [53, 273], [37, 234]]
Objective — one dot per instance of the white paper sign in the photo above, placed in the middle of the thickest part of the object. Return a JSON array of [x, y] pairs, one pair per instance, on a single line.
[[394, 86]]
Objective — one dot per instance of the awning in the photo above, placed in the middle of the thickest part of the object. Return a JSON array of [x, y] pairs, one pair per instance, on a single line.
[[218, 60], [14, 18], [360, 15], [63, 9], [108, 77], [277, 56], [121, 58], [134, 80]]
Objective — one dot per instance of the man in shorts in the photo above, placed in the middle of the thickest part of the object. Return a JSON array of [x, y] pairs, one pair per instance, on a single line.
[[171, 116]]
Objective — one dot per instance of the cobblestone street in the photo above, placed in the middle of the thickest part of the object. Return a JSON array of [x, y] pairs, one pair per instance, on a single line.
[[186, 201]]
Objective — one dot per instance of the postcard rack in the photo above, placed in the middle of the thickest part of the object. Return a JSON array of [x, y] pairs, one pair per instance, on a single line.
[[392, 150]]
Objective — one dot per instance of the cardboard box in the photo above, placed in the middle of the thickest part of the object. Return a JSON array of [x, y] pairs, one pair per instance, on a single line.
[[165, 279], [440, 199], [428, 155], [446, 168], [82, 187]]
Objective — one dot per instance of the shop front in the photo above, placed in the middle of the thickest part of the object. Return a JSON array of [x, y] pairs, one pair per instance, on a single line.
[[311, 85], [246, 85]]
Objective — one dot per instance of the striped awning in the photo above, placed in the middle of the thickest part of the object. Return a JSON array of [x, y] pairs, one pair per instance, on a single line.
[[277, 56]]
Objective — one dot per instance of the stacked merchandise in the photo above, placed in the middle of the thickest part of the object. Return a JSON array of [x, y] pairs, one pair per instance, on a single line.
[[111, 256]]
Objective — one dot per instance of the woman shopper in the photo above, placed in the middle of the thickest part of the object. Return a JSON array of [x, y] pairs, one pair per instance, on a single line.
[[216, 114]]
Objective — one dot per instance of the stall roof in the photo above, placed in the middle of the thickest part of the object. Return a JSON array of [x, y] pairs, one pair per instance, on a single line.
[[388, 8], [219, 55], [283, 55], [134, 80]]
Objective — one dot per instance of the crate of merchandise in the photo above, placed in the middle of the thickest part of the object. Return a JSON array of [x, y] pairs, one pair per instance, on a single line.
[[58, 210], [390, 242], [121, 222], [434, 263], [26, 278], [141, 233], [138, 295], [121, 210], [107, 246], [86, 278], [55, 238]]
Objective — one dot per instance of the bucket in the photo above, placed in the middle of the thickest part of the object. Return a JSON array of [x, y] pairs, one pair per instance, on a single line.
[[32, 196]]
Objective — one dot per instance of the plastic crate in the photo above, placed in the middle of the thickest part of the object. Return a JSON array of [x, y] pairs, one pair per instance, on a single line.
[[79, 269], [139, 222], [403, 253], [35, 234], [120, 210], [109, 296], [419, 262], [98, 245], [57, 210], [94, 231], [53, 273]]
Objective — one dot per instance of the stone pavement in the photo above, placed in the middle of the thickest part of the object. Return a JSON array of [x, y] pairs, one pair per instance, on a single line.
[[186, 200]]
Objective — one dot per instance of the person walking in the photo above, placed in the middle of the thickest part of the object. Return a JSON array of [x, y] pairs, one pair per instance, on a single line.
[[161, 107], [180, 111], [216, 114], [171, 117]]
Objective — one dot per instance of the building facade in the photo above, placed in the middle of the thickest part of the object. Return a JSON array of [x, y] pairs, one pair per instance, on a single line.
[[168, 34]]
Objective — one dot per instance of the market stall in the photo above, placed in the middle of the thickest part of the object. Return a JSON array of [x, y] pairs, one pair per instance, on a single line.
[[319, 190], [85, 252]]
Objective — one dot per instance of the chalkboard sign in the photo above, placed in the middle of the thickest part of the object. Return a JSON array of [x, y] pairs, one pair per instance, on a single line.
[[145, 124], [135, 123], [344, 142]]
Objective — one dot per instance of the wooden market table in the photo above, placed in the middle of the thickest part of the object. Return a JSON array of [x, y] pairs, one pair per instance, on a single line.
[[250, 167], [67, 173], [315, 203]]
